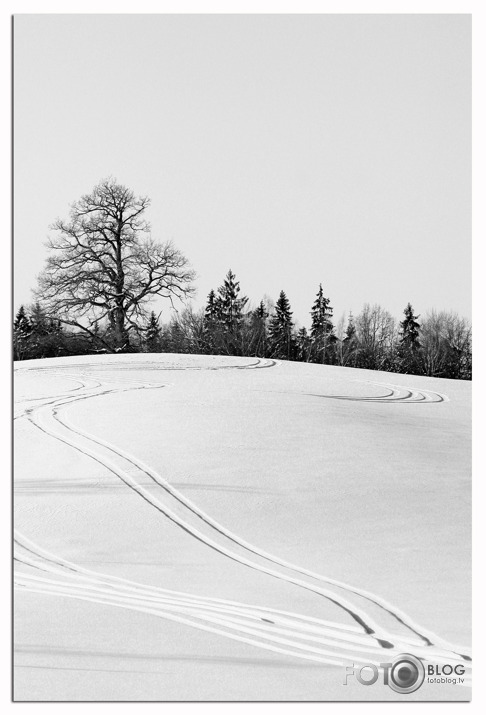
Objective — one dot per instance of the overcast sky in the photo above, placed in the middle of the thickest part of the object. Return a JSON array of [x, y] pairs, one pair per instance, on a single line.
[[293, 149]]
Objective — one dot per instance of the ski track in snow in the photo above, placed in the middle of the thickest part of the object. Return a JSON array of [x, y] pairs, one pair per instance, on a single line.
[[291, 634], [396, 393]]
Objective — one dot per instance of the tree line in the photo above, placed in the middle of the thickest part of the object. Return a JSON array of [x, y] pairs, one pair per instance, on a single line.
[[438, 346], [104, 268]]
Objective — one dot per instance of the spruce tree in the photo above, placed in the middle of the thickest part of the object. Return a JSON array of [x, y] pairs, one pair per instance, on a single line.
[[350, 329], [210, 323], [410, 329], [22, 323], [39, 320], [152, 334], [261, 312], [177, 338], [224, 317], [22, 331], [281, 329], [211, 310], [350, 343], [322, 329], [259, 331], [303, 344], [409, 346], [47, 338], [229, 306]]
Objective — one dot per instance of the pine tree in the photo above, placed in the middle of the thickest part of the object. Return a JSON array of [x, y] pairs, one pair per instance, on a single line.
[[322, 329], [211, 310], [229, 306], [211, 327], [224, 318], [39, 320], [258, 330], [177, 339], [410, 329], [350, 329], [407, 354], [281, 330], [22, 323], [303, 345], [350, 343], [22, 331], [152, 334], [261, 312], [48, 338]]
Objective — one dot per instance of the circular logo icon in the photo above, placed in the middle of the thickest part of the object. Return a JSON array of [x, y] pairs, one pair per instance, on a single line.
[[406, 674]]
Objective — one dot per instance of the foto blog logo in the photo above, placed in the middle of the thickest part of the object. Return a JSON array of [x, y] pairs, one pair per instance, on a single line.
[[403, 675]]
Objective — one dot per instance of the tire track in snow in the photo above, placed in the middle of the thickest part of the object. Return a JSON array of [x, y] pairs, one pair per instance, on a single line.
[[400, 616], [291, 629], [363, 621], [355, 612], [428, 637], [49, 562], [360, 617], [404, 395]]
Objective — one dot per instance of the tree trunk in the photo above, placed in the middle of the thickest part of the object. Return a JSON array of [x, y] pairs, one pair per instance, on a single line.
[[121, 334]]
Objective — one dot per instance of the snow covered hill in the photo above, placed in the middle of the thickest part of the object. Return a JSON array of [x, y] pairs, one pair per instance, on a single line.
[[220, 528]]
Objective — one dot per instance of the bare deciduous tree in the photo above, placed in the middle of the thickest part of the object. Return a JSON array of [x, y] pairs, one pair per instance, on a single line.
[[104, 265], [376, 335], [446, 345]]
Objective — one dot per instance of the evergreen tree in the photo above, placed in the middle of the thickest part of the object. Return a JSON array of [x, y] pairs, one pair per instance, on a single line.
[[211, 312], [39, 320], [322, 329], [409, 329], [211, 324], [281, 330], [229, 306], [177, 339], [350, 334], [224, 318], [258, 332], [22, 323], [409, 345], [152, 334], [303, 345], [22, 331], [350, 343], [261, 312], [47, 338]]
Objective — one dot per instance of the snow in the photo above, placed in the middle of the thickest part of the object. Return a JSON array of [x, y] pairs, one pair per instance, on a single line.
[[221, 528]]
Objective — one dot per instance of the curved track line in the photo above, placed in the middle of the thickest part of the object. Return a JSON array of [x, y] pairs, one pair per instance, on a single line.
[[185, 621], [368, 624], [371, 629], [119, 582], [259, 628], [427, 636], [195, 606], [218, 631], [258, 363], [404, 395]]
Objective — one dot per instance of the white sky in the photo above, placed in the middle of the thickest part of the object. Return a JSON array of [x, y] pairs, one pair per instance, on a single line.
[[295, 149]]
